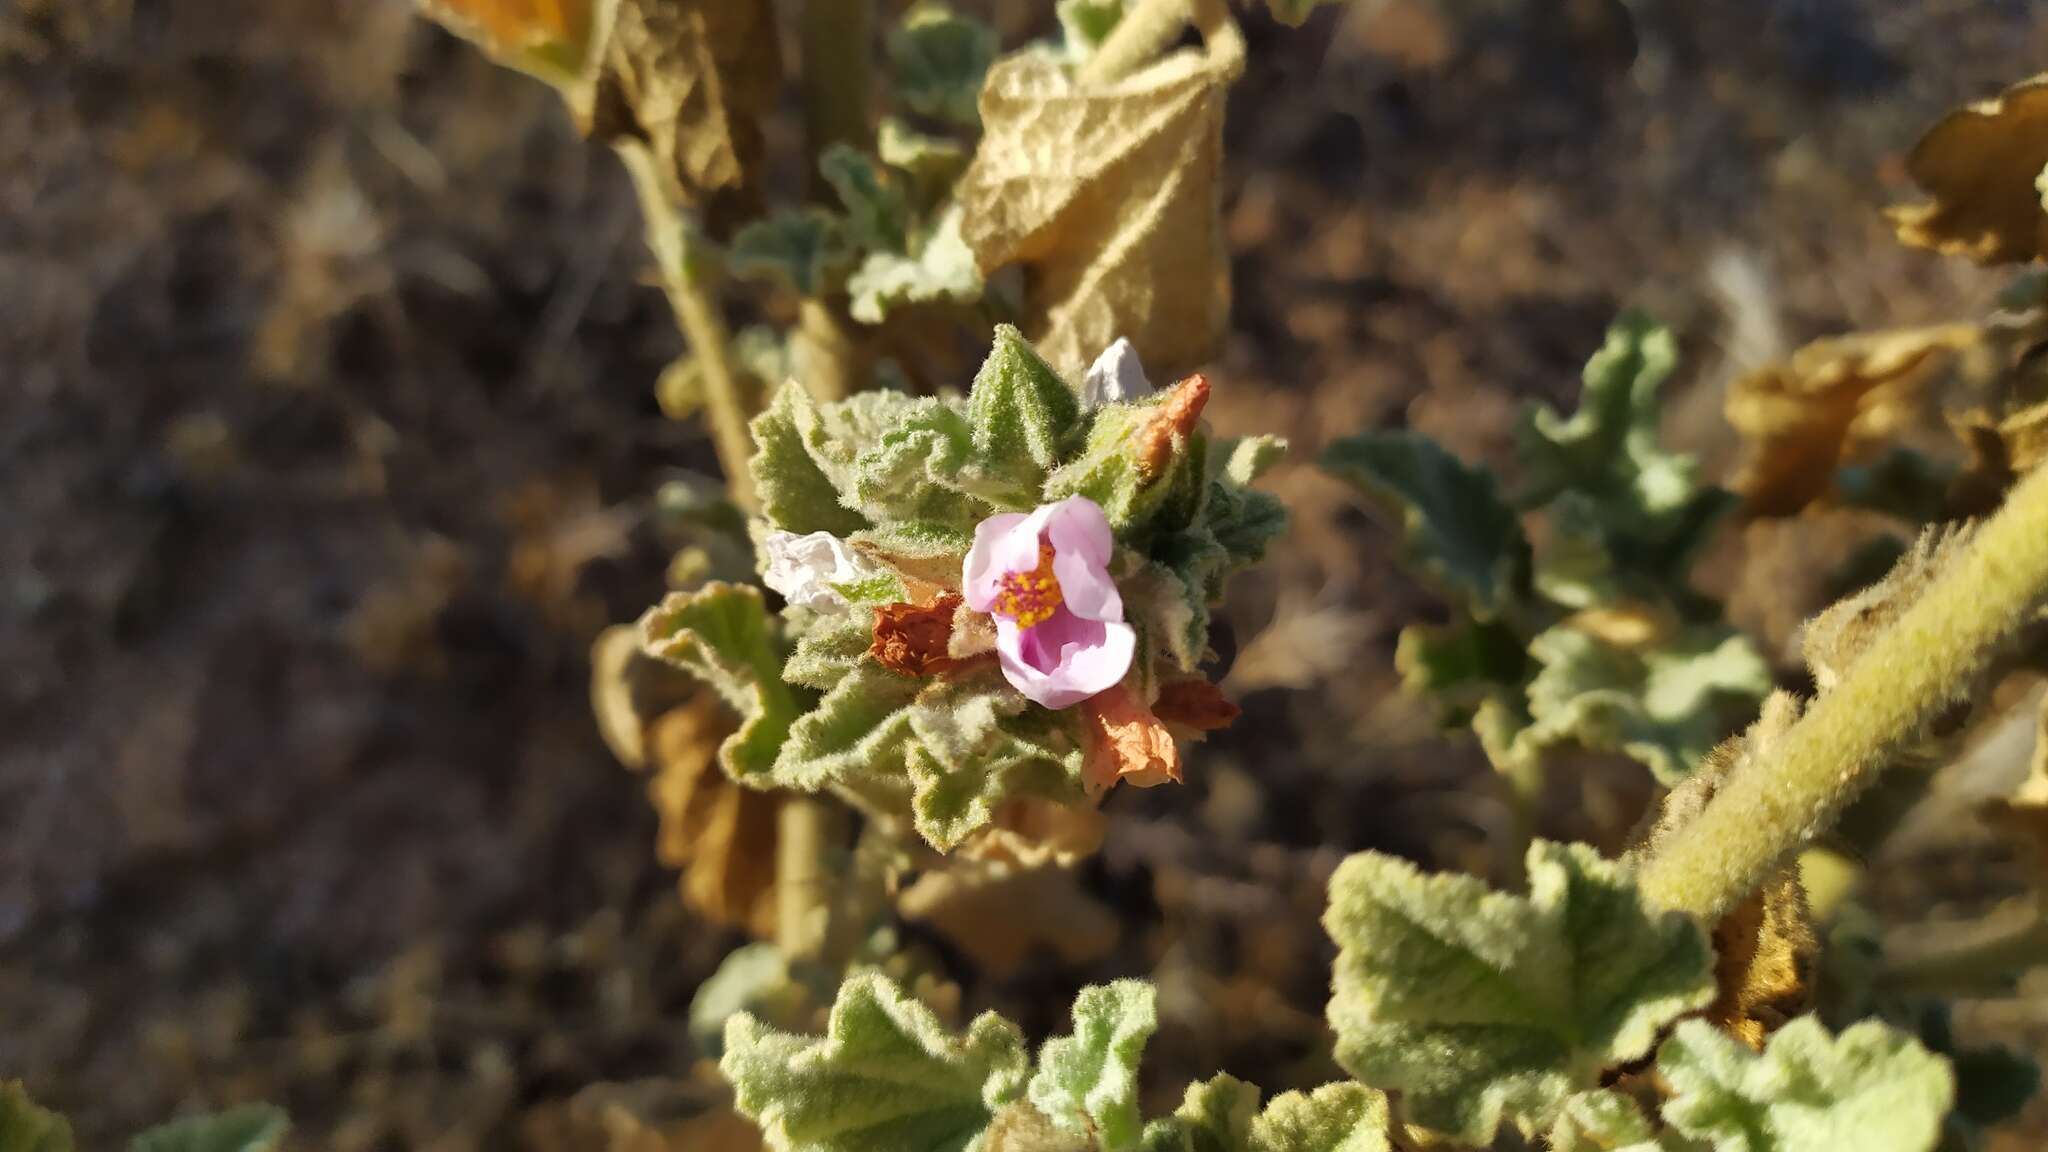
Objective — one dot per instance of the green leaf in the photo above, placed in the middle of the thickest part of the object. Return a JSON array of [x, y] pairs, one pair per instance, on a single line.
[[805, 249], [795, 492], [855, 735], [1243, 521], [1461, 665], [1089, 1081], [1085, 24], [886, 1077], [1873, 1089], [877, 213], [1248, 458], [27, 1127], [752, 978], [1455, 525], [1607, 1121], [1665, 705], [930, 550], [1023, 417], [922, 469], [828, 646], [250, 1128], [1481, 1006], [938, 59], [1294, 13], [941, 268], [720, 634], [979, 743], [1346, 1117], [1216, 1115], [933, 161]]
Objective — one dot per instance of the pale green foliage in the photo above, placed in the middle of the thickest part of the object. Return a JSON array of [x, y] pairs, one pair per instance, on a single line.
[[877, 211], [753, 978], [1089, 1080], [26, 1127], [1481, 1006], [1607, 1121], [721, 634], [933, 161], [1214, 1116], [1456, 527], [939, 268], [805, 249], [794, 491], [938, 59], [886, 1077], [250, 1128], [1873, 1089], [1666, 705], [1333, 1118]]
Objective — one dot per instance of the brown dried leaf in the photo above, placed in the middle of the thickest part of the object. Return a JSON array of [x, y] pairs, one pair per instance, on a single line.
[[1001, 917], [688, 82], [915, 639], [1195, 704], [721, 836], [1801, 418], [1109, 196], [1032, 832], [1167, 432], [1125, 742], [626, 687], [1982, 165]]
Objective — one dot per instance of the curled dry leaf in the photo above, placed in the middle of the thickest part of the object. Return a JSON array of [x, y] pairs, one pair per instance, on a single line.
[[1169, 428], [915, 639], [1030, 832], [1002, 917], [1982, 165], [1109, 196], [1125, 742], [1800, 418], [1196, 704]]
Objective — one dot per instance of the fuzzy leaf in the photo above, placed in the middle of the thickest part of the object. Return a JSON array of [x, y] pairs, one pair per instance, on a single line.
[[1455, 525], [1216, 1115], [795, 492], [886, 1077], [250, 1128], [978, 744], [1666, 705], [1023, 416], [720, 634], [27, 1127], [804, 249], [942, 269], [1247, 459], [1107, 468], [1607, 1121], [1461, 665], [922, 469], [1109, 194], [1481, 1006], [1982, 166], [857, 732], [1872, 1088], [1089, 1081], [1346, 1117], [877, 214], [933, 161], [938, 59]]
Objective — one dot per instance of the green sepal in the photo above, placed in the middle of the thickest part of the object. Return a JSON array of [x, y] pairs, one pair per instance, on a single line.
[[803, 249], [721, 634], [938, 59], [1481, 1007], [1024, 418], [1105, 470], [1088, 1081], [885, 1077], [249, 1128]]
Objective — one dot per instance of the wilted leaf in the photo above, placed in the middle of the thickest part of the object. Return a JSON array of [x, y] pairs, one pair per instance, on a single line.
[[1346, 1117], [1109, 195], [250, 1128], [1873, 1089], [1800, 418], [1480, 1006], [664, 1114], [886, 1077], [1002, 917], [720, 633], [25, 1127], [1195, 704], [1031, 832], [1455, 525], [1022, 1128], [1089, 1081], [804, 249], [719, 835], [1126, 742], [1981, 164], [938, 59]]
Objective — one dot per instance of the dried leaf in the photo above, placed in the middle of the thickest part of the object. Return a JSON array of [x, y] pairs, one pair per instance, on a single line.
[[1982, 164], [1022, 1128], [720, 835], [1109, 196], [1172, 424], [1001, 918], [1029, 832], [915, 639], [1196, 704], [1800, 419], [556, 40], [1126, 742], [721, 634], [664, 1115]]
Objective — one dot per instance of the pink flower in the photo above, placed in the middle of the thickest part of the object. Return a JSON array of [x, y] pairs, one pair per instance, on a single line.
[[1060, 630]]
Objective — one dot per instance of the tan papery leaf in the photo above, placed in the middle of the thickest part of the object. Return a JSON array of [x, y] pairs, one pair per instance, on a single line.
[[556, 40], [664, 1115], [1803, 417], [1002, 917], [1982, 165], [1125, 743], [720, 835], [1196, 704], [1109, 196], [1031, 832]]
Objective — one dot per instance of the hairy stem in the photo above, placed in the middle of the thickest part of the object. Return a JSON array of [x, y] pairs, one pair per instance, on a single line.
[[1143, 33], [802, 879], [1909, 674], [692, 297]]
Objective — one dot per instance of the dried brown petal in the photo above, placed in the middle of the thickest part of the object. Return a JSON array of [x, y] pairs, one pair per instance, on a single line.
[[915, 639], [1981, 165], [1126, 742], [1195, 704], [1802, 417], [1168, 430]]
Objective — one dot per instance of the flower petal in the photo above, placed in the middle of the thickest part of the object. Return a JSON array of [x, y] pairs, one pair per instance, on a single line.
[[804, 568], [981, 577], [1116, 377], [1066, 659], [1082, 545]]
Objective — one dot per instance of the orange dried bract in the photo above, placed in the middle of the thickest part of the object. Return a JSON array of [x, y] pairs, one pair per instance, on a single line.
[[513, 25], [913, 639], [1126, 742], [1171, 426], [1196, 704]]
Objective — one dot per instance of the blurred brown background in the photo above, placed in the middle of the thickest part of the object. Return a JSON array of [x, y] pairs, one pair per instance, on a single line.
[[327, 444]]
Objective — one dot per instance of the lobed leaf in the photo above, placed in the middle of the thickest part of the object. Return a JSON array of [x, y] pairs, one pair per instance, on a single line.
[[877, 211], [1481, 1007], [1982, 164], [794, 490], [885, 1077], [1088, 1081], [720, 633], [1872, 1088], [1347, 1117], [938, 59], [1607, 1121], [940, 269], [806, 250], [1215, 1115]]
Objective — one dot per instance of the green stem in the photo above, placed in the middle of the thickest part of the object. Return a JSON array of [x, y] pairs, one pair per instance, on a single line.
[[1527, 780], [692, 297], [1910, 673], [838, 46], [1138, 39]]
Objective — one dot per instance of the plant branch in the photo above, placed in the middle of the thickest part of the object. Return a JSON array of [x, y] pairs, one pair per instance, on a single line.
[[1989, 959], [1138, 39], [1909, 674]]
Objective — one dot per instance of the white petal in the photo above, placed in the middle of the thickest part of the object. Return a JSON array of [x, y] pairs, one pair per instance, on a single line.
[[804, 568], [1116, 377]]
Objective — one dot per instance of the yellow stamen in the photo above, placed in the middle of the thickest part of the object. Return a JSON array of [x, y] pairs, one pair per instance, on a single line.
[[1030, 598]]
